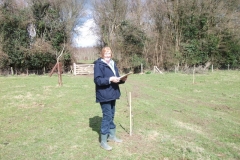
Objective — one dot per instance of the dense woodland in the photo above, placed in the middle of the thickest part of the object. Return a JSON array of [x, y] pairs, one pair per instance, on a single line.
[[169, 34]]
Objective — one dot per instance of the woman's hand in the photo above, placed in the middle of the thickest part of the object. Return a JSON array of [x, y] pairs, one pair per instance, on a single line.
[[124, 79], [114, 79]]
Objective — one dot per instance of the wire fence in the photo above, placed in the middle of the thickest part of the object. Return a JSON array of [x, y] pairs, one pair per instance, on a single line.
[[10, 71], [186, 70]]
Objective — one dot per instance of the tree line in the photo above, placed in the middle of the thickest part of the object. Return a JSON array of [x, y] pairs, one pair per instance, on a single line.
[[34, 32], [170, 33], [163, 33]]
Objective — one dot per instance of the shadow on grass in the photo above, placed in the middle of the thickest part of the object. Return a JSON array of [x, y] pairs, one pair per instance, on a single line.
[[95, 124]]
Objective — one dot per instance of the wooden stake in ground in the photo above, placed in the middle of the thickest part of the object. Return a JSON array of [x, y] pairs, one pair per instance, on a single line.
[[130, 112], [193, 74]]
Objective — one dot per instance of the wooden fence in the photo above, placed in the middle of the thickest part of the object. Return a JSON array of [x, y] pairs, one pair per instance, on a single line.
[[79, 69]]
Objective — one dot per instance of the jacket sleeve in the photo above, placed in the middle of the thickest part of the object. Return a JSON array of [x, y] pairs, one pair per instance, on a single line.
[[99, 78]]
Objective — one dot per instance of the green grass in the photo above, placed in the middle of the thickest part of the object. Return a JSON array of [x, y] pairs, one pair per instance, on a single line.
[[172, 117]]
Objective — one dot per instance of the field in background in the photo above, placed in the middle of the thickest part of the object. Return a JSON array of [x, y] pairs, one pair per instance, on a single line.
[[172, 117]]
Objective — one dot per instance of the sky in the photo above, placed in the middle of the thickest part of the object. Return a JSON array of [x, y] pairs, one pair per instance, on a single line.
[[83, 35]]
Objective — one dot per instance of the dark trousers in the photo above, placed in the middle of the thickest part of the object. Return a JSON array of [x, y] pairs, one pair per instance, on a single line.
[[108, 111]]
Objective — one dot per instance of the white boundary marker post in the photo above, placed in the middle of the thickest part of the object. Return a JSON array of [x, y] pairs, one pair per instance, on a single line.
[[130, 113], [157, 70], [11, 70], [74, 69]]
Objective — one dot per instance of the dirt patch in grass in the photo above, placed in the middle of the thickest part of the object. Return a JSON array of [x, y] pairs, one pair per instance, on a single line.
[[139, 143], [32, 105], [190, 127]]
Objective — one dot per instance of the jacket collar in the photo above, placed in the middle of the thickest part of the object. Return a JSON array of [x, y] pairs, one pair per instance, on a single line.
[[110, 64]]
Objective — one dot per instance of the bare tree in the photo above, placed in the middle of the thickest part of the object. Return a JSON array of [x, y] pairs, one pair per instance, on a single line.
[[108, 15], [69, 11], [120, 27]]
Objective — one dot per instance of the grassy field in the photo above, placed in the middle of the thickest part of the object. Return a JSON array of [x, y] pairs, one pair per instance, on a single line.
[[172, 118]]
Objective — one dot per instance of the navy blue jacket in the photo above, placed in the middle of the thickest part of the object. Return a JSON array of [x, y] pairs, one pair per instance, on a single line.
[[105, 90]]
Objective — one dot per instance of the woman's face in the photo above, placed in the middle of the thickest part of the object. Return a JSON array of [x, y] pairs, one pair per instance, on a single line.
[[107, 56]]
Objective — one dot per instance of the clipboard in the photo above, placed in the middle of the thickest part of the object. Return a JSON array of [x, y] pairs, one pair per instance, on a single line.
[[125, 75]]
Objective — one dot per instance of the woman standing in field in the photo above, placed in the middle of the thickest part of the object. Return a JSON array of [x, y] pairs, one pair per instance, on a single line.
[[106, 79]]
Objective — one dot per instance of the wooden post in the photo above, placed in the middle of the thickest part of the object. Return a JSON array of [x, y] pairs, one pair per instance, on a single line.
[[157, 70], [193, 74], [71, 69], [44, 70], [59, 74], [130, 113], [61, 71], [141, 68], [74, 69], [11, 70], [212, 67], [53, 69]]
